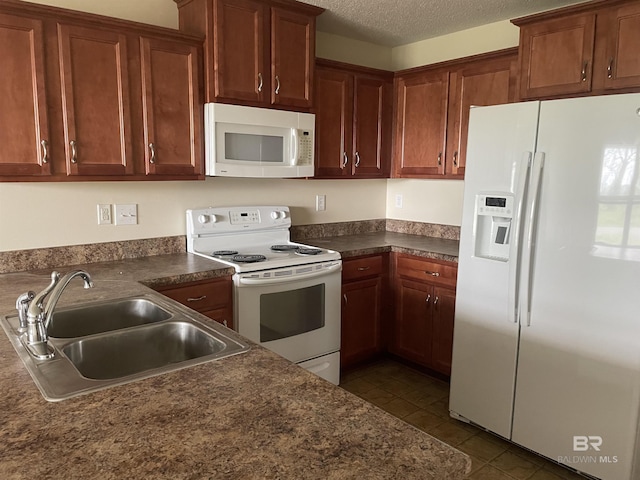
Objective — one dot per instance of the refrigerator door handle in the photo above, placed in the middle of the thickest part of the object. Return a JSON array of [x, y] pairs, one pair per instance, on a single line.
[[529, 250], [523, 170]]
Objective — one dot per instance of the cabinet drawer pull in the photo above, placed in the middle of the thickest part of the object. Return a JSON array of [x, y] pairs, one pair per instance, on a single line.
[[74, 151], [45, 151], [260, 82], [345, 159], [584, 71], [440, 159], [433, 274], [196, 299], [357, 159], [277, 91], [610, 68], [455, 159], [363, 269], [152, 149]]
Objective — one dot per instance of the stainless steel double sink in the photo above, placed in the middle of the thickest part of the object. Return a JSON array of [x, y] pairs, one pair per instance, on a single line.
[[103, 344]]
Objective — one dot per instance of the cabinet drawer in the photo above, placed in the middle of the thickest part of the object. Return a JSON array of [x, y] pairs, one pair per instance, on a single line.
[[202, 296], [441, 273], [361, 268]]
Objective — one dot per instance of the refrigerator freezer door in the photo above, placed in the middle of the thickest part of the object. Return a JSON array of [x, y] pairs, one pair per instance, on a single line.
[[578, 379], [501, 142]]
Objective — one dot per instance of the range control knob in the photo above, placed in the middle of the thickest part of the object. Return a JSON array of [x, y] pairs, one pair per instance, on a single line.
[[276, 214], [204, 219]]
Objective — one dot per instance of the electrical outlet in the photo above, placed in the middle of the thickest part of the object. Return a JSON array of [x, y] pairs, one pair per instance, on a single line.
[[321, 203], [126, 214], [398, 200], [104, 214]]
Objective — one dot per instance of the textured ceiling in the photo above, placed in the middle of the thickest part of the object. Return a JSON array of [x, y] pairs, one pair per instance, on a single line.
[[398, 22]]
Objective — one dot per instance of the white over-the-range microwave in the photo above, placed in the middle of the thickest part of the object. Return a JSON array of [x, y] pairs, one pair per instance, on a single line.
[[258, 142]]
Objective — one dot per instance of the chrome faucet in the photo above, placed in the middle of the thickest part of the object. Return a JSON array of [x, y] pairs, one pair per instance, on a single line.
[[38, 315]]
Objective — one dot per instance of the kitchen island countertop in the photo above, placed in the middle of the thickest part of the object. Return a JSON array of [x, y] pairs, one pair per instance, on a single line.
[[249, 416]]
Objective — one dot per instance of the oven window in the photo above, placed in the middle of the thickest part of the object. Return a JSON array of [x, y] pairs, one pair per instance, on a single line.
[[292, 312]]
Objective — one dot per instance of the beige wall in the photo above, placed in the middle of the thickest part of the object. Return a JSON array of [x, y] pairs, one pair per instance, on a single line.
[[35, 215]]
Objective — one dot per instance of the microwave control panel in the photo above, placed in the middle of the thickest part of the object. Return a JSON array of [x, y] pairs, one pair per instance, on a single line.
[[304, 139]]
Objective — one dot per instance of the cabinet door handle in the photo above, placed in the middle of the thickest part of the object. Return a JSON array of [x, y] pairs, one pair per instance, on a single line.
[[277, 91], [152, 149], [433, 274], [584, 71], [345, 159], [455, 159], [260, 82], [224, 322], [357, 159], [45, 151], [610, 68], [344, 296], [74, 151], [196, 299], [428, 299], [363, 269], [440, 159], [435, 300]]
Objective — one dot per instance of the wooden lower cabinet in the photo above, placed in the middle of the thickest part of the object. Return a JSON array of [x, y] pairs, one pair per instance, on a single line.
[[425, 294], [212, 298], [363, 286]]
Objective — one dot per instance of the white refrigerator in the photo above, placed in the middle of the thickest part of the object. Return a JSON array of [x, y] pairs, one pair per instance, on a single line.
[[546, 349]]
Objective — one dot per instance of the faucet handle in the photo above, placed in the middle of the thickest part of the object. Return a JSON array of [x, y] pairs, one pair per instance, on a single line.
[[36, 306], [22, 305]]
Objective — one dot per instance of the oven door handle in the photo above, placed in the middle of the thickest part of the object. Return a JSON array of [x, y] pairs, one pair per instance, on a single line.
[[293, 278]]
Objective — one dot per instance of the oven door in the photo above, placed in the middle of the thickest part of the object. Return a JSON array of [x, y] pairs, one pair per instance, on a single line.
[[294, 312]]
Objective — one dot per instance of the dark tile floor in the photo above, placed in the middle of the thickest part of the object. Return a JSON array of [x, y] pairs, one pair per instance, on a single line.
[[423, 402]]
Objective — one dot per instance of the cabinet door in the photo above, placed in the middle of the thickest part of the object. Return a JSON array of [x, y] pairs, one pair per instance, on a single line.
[[556, 56], [444, 304], [421, 124], [623, 42], [370, 141], [171, 107], [240, 52], [360, 329], [486, 83], [95, 101], [24, 130], [292, 58], [413, 330], [334, 114], [224, 316]]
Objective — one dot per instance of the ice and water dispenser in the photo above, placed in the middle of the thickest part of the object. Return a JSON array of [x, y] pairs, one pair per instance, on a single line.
[[494, 216]]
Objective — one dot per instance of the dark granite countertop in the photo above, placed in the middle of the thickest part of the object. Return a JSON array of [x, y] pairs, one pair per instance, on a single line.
[[250, 416], [378, 242]]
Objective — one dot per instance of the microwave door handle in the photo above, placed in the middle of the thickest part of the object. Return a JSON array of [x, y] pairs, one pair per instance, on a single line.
[[294, 149]]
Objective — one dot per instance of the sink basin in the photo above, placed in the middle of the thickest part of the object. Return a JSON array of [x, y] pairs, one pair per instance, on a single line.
[[136, 350], [105, 317], [104, 344]]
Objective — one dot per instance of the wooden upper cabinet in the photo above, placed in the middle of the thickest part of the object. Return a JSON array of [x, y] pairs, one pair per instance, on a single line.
[[353, 121], [432, 113], [24, 128], [421, 124], [292, 58], [95, 101], [587, 49], [241, 66], [622, 57], [486, 83], [172, 113], [257, 52], [556, 57]]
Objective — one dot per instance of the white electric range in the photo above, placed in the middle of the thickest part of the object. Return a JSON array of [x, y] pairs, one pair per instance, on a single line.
[[286, 294]]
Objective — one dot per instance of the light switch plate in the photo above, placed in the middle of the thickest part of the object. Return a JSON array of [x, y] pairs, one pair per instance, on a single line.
[[321, 203], [126, 214]]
